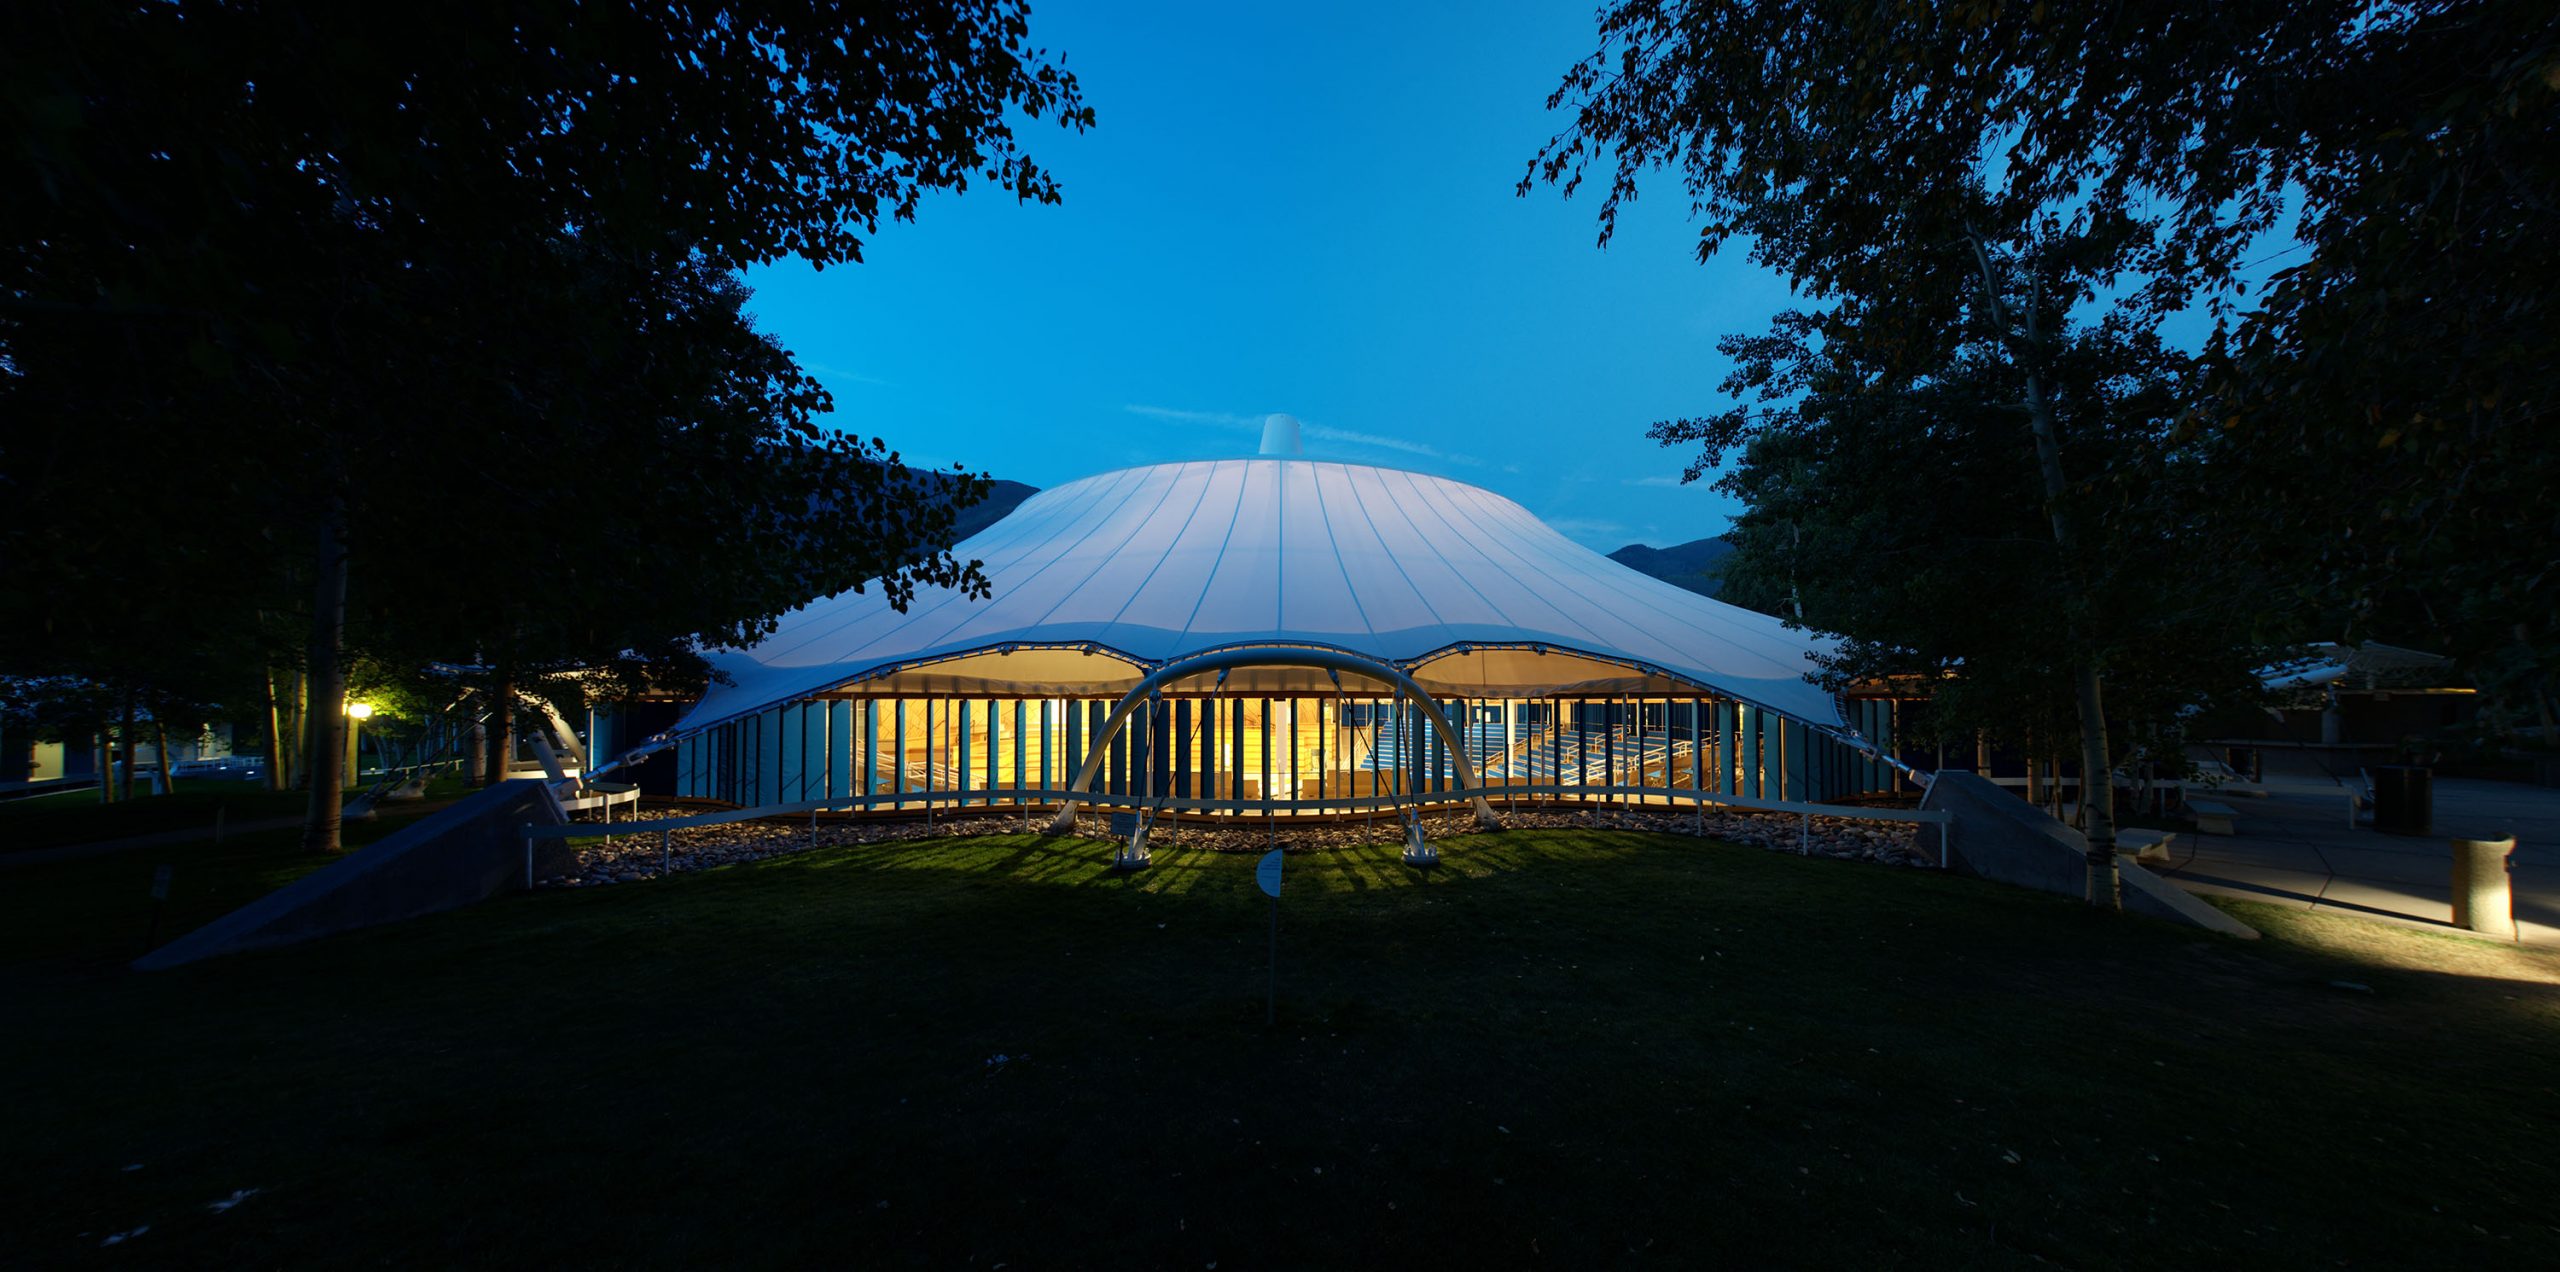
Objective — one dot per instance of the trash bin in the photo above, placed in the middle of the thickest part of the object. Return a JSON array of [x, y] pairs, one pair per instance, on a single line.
[[2404, 799], [2483, 895]]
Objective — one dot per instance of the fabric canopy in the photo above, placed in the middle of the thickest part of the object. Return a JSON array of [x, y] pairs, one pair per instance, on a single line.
[[1098, 580]]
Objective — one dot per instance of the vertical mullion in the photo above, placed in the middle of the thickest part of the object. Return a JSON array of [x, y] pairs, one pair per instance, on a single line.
[[898, 751], [1761, 743], [1555, 741], [1697, 744], [1295, 780], [1207, 742], [954, 739], [1752, 752], [870, 747], [1323, 786], [1072, 734], [1160, 757], [1116, 748], [1423, 740], [1725, 746], [1608, 745], [1807, 754], [1510, 736], [1179, 757]]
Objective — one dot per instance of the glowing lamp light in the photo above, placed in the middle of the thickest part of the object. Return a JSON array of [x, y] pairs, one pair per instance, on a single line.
[[360, 710]]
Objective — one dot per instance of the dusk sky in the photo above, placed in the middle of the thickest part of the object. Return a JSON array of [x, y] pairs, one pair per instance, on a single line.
[[1307, 210]]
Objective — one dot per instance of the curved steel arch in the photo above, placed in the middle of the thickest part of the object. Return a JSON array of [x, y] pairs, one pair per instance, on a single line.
[[1315, 656]]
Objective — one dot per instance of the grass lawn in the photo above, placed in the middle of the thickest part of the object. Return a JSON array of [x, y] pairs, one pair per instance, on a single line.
[[1560, 1048]]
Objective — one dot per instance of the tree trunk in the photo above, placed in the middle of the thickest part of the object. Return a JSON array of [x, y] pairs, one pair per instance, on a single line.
[[277, 778], [297, 723], [125, 735], [328, 680], [2087, 694], [1795, 561], [2097, 791], [301, 731], [2035, 774], [354, 751], [106, 753], [160, 752], [502, 725]]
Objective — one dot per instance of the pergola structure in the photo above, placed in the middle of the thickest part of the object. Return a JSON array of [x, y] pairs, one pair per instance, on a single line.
[[1281, 637]]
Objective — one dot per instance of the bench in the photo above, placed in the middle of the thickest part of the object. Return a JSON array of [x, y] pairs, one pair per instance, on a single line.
[[2146, 846], [2212, 818]]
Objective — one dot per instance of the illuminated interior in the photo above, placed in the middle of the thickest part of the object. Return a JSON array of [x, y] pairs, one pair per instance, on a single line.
[[1274, 751]]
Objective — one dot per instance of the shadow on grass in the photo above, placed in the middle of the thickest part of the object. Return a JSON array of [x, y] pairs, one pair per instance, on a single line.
[[1073, 862], [1582, 1047]]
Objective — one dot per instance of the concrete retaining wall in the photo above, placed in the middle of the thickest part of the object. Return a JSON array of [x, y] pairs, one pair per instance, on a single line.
[[466, 853], [1996, 835]]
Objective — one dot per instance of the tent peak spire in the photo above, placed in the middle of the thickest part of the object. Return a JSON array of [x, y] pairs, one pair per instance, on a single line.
[[1280, 437]]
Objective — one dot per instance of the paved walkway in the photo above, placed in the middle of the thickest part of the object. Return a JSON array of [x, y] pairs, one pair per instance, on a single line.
[[2294, 846]]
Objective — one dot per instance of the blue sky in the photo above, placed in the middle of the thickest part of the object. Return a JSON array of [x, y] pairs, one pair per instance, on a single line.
[[1306, 209]]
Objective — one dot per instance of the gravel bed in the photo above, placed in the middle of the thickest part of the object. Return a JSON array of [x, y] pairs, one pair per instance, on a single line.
[[635, 857]]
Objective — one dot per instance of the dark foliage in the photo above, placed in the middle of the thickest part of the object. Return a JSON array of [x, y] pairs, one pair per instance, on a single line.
[[2396, 388], [1902, 518], [2379, 417], [446, 294]]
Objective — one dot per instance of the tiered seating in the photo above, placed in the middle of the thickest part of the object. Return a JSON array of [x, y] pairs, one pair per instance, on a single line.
[[1482, 738], [1571, 757]]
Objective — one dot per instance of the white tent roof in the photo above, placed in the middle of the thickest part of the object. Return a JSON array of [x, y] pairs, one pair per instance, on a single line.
[[1099, 580]]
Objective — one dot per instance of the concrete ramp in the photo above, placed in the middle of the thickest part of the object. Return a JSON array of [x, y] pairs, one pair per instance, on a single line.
[[466, 853], [1997, 836]]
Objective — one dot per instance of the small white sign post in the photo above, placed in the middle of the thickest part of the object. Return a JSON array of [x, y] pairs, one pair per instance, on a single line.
[[1267, 875]]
